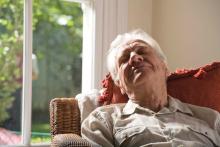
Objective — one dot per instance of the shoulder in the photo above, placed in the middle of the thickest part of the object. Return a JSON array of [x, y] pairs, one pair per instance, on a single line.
[[109, 109], [103, 115], [195, 109], [106, 112], [199, 110], [211, 116]]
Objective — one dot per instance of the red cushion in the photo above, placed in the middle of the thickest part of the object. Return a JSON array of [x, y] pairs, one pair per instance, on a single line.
[[198, 86], [111, 93]]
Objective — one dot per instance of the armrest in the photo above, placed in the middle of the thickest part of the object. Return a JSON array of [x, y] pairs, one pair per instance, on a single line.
[[69, 140], [64, 116]]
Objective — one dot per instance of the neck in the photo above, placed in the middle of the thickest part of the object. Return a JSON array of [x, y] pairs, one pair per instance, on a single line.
[[151, 98]]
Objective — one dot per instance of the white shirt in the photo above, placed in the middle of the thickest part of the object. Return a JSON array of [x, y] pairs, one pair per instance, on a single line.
[[131, 125]]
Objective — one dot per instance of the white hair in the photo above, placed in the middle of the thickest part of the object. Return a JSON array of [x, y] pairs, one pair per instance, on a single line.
[[121, 40]]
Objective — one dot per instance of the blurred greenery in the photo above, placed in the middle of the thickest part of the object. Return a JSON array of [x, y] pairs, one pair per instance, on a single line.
[[38, 139], [40, 133], [57, 44], [41, 127], [10, 53]]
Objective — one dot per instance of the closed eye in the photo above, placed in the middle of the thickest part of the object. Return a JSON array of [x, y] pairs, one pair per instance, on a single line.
[[124, 56], [123, 59], [141, 51]]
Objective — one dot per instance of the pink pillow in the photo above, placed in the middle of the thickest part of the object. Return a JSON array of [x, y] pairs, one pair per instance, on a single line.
[[198, 86]]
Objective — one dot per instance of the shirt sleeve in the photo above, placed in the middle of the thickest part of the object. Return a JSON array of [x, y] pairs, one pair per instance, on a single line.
[[97, 130]]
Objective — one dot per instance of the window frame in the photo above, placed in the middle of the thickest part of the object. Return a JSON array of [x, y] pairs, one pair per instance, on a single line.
[[102, 21], [27, 74], [107, 18]]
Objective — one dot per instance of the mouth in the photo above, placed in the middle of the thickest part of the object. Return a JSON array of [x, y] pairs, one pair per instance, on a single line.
[[139, 68], [135, 71]]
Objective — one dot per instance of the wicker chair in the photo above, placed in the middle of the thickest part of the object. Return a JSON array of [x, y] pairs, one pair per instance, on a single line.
[[65, 113], [65, 123]]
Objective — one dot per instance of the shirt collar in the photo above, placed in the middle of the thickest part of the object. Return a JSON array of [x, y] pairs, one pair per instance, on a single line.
[[129, 108], [174, 105], [177, 105]]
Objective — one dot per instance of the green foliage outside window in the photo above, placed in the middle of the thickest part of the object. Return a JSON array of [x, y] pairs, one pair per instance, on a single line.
[[10, 52], [57, 43]]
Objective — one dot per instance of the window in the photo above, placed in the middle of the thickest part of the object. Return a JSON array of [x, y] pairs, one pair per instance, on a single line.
[[11, 58], [56, 68], [49, 35], [57, 46]]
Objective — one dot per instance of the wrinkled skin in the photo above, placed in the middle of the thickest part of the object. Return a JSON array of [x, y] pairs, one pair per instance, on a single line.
[[142, 74]]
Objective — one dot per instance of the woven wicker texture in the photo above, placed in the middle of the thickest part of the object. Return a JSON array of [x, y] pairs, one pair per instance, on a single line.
[[69, 140], [65, 123], [64, 116]]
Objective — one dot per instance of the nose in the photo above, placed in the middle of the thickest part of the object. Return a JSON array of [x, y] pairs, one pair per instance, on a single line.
[[135, 58]]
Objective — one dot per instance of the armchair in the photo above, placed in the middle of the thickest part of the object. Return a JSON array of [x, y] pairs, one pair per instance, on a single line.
[[65, 123], [199, 87]]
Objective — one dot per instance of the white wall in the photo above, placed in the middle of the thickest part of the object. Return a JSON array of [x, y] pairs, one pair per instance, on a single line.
[[187, 30], [140, 15]]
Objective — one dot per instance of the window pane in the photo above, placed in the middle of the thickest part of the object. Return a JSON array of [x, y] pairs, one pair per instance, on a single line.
[[57, 62], [11, 45]]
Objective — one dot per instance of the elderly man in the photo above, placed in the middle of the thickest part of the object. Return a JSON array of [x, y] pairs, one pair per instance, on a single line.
[[151, 117]]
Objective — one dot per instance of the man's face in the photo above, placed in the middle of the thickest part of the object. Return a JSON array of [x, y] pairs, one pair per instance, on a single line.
[[139, 65]]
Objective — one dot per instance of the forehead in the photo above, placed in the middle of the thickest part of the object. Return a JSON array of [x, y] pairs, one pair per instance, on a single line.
[[130, 45], [138, 41]]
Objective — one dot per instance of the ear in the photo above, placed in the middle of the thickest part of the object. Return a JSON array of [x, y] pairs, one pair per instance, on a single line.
[[167, 72]]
